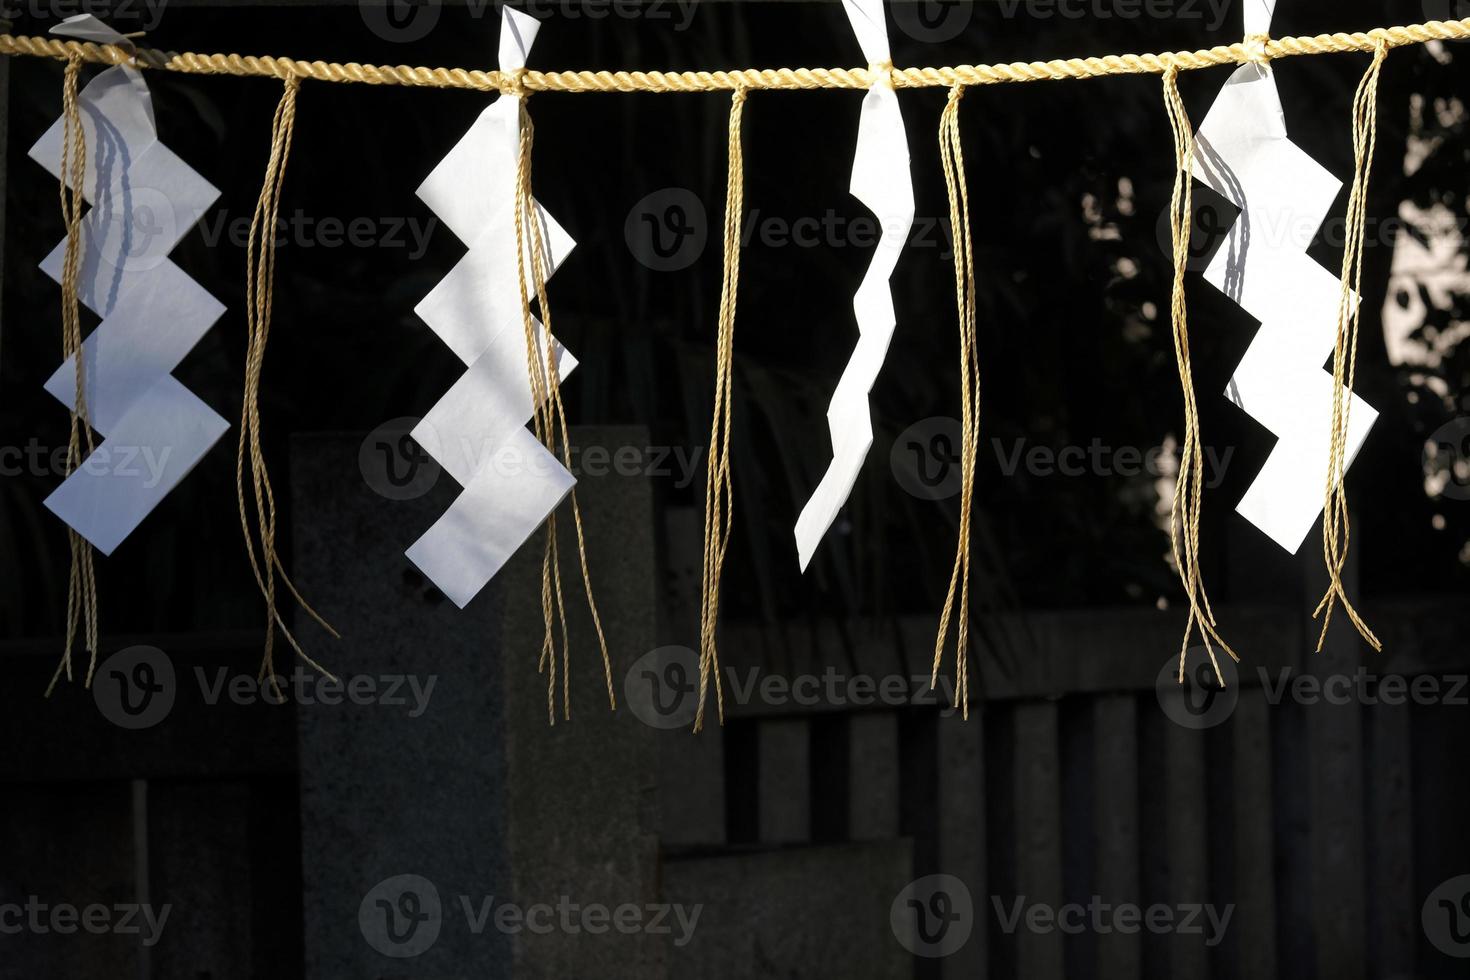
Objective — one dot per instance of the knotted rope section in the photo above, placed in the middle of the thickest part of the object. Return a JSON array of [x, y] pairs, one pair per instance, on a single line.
[[747, 78], [1336, 532], [260, 274], [550, 425], [719, 492], [952, 158], [81, 592], [1184, 516]]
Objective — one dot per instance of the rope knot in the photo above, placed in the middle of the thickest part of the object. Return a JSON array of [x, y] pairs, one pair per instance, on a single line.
[[514, 83], [884, 71], [1255, 49]]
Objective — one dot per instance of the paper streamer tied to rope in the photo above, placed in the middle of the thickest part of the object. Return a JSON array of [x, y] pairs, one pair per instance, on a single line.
[[880, 180]]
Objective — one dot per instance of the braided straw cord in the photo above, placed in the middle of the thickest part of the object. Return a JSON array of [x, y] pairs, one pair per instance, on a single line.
[[719, 491], [81, 592], [260, 274], [747, 78], [550, 425], [1184, 516], [952, 158], [1335, 526]]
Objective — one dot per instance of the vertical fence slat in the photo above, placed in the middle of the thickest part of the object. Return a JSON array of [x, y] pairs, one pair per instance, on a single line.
[[962, 831], [1335, 740], [1393, 907], [873, 776], [199, 843], [1115, 792], [1039, 955], [1188, 843], [785, 780], [1253, 921], [67, 845]]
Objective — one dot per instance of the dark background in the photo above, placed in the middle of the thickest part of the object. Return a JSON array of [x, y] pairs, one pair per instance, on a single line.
[[1069, 182]]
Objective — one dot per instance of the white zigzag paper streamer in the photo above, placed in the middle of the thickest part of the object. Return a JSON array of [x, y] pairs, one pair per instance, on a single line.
[[1243, 153], [477, 431], [144, 200], [881, 181]]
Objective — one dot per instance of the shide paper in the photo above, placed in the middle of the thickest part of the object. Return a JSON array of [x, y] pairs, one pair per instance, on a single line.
[[477, 431], [144, 200], [881, 181], [1243, 153]]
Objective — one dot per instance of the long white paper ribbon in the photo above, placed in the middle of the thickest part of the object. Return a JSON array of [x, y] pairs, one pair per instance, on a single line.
[[1244, 154], [144, 200], [477, 431], [881, 181]]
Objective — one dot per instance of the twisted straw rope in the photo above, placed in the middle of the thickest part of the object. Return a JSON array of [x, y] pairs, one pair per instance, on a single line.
[[520, 82]]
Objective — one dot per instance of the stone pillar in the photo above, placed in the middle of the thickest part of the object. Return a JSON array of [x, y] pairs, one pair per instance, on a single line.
[[444, 817]]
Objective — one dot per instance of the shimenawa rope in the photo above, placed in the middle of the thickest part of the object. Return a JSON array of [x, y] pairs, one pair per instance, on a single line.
[[550, 425], [1336, 532], [1184, 516], [952, 159], [719, 493], [260, 272], [747, 78], [81, 592]]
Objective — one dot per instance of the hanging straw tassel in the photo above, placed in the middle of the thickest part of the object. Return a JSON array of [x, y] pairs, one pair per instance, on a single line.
[[1184, 517], [719, 490], [1336, 532], [260, 266], [81, 593], [952, 158], [550, 425]]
